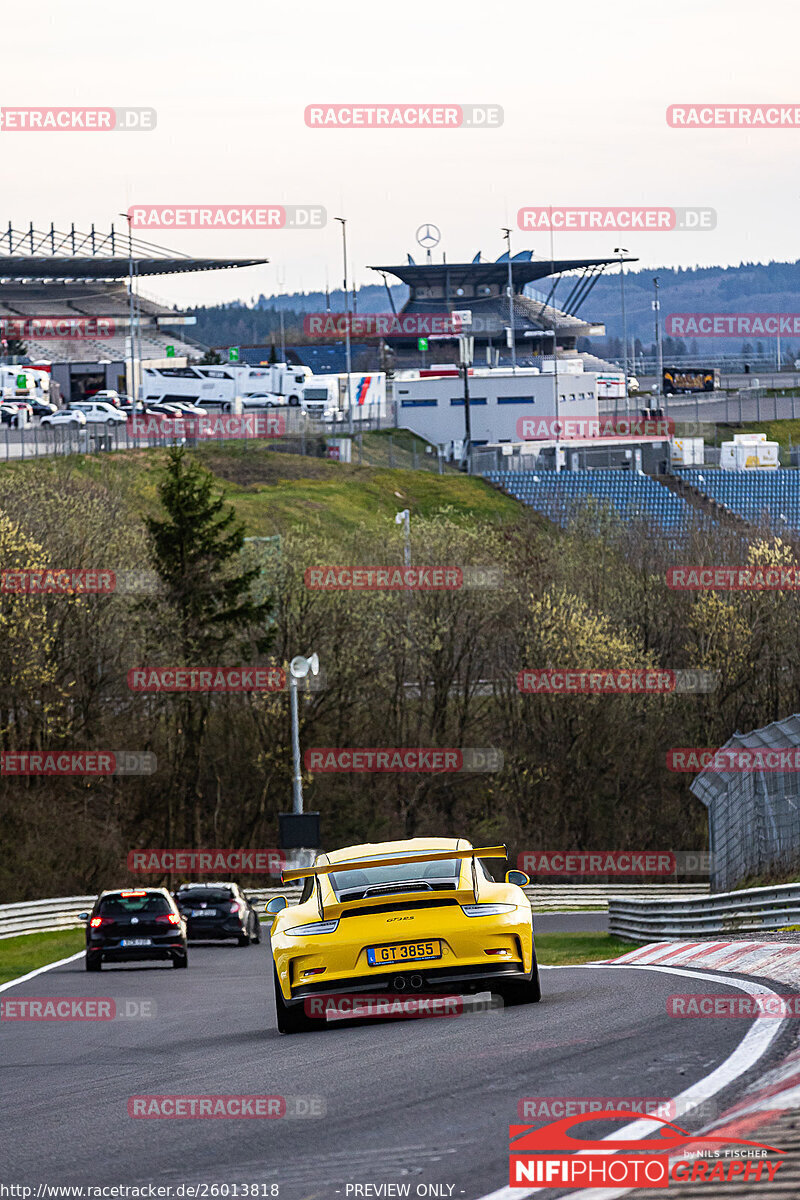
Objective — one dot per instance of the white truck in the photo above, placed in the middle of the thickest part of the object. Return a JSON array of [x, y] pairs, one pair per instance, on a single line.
[[328, 398], [219, 386], [17, 383]]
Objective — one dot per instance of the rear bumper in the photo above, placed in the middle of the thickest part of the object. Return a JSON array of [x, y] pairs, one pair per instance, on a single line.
[[460, 980], [162, 950], [198, 931]]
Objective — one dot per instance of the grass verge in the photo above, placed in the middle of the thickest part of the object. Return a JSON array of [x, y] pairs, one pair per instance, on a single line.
[[19, 955], [564, 949]]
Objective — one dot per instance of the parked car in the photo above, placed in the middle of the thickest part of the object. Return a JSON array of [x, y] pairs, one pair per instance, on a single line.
[[186, 408], [218, 911], [165, 410], [133, 924], [99, 412], [65, 416], [41, 408], [108, 395], [13, 414]]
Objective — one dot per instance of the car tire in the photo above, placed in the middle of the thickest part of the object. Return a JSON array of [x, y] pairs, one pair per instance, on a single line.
[[243, 939], [257, 936], [289, 1019], [181, 960], [94, 962], [522, 991]]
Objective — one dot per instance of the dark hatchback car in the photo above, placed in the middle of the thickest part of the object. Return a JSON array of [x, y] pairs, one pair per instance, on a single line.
[[135, 924], [218, 911]]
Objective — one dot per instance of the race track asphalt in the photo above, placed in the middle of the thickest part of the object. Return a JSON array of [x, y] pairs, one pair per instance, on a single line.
[[415, 1102]]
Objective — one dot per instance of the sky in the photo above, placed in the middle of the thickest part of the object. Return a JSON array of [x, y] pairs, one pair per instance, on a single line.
[[584, 89]]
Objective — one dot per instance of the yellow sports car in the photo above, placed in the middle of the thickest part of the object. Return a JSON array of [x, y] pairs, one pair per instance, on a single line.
[[422, 916]]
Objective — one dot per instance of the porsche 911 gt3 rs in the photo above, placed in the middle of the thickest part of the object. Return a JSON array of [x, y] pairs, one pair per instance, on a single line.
[[422, 915]]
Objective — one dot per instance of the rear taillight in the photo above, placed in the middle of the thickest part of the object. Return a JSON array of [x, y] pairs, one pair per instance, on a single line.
[[237, 906], [95, 921], [168, 919]]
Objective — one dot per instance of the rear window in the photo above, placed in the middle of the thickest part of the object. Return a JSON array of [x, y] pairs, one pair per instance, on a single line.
[[369, 880], [120, 906], [205, 896]]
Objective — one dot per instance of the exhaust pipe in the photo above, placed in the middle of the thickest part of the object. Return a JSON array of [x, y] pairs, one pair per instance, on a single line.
[[416, 981], [399, 983]]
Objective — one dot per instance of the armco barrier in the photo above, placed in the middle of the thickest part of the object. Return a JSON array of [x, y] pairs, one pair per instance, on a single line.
[[62, 912], [754, 910]]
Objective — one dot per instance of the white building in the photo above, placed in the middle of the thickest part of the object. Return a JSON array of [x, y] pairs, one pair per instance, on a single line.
[[433, 406]]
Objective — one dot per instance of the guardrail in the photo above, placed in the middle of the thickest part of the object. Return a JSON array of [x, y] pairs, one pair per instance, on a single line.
[[754, 910], [36, 916]]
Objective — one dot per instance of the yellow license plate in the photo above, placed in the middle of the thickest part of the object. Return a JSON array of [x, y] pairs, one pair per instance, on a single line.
[[406, 952]]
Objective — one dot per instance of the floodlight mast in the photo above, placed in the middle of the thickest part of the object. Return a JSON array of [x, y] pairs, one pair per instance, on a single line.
[[299, 668]]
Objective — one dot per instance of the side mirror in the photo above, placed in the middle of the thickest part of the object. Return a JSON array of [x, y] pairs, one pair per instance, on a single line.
[[518, 877], [276, 904], [83, 916]]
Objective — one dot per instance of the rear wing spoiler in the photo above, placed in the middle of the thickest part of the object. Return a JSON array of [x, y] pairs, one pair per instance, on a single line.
[[395, 860]]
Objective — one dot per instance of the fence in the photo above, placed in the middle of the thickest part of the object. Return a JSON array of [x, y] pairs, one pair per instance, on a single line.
[[756, 910], [36, 916]]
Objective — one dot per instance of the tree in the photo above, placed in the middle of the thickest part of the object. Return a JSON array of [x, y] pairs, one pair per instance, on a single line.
[[273, 353], [208, 598], [13, 347], [211, 358]]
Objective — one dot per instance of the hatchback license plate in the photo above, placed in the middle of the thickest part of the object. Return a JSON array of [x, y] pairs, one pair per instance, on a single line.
[[405, 952], [204, 912], [136, 942]]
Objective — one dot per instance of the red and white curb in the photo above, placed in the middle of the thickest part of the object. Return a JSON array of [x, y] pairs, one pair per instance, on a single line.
[[777, 961]]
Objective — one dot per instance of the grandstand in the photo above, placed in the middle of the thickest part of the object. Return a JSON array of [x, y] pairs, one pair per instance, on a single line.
[[481, 288], [760, 497], [558, 496], [73, 275]]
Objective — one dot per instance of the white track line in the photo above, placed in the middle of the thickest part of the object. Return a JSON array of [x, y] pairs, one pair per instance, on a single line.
[[753, 1045], [40, 971]]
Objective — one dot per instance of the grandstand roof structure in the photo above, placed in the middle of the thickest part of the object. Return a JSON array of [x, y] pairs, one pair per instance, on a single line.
[[54, 254], [524, 269]]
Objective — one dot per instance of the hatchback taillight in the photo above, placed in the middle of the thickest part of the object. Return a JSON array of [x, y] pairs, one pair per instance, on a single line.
[[237, 906], [168, 919], [95, 921]]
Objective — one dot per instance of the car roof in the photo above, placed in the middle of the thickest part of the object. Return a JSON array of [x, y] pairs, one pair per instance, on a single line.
[[407, 846]]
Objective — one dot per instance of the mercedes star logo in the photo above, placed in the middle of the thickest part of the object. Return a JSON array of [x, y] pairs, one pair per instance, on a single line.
[[429, 235]]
